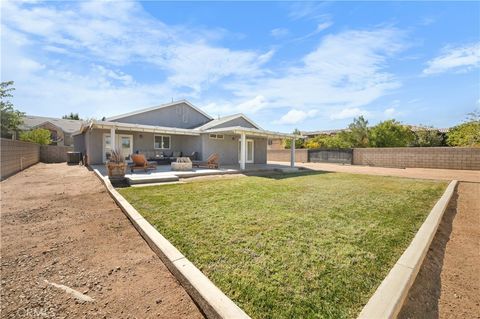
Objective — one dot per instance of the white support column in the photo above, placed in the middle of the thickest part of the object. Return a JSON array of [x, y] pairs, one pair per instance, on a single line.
[[243, 149], [292, 153], [112, 138]]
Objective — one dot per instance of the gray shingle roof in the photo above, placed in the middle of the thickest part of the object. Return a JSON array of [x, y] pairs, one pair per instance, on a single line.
[[69, 126]]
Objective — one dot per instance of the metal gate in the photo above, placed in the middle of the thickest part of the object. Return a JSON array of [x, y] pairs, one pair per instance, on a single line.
[[331, 155]]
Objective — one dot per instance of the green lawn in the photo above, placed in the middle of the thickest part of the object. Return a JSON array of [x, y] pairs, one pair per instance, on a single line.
[[311, 245]]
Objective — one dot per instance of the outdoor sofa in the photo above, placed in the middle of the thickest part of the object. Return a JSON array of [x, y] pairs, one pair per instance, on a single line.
[[166, 157]]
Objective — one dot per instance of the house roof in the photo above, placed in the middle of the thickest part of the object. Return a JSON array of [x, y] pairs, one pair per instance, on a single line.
[[225, 119], [153, 108], [249, 131], [32, 121]]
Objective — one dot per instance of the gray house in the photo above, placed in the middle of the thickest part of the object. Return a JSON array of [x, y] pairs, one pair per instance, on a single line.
[[173, 128]]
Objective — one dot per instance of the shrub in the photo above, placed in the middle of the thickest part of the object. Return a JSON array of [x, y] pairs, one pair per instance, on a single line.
[[39, 135]]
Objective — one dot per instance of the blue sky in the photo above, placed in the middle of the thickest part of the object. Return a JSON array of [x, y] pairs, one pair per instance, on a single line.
[[307, 65]]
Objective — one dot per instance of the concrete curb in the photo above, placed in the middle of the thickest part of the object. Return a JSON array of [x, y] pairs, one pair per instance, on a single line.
[[388, 299], [213, 302]]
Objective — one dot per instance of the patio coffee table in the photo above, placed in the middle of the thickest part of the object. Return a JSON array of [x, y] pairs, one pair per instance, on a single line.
[[182, 164]]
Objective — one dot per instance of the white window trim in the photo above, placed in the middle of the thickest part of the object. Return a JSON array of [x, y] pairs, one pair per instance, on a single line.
[[162, 136], [216, 136]]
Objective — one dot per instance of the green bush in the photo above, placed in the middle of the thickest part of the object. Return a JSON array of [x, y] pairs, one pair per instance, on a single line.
[[39, 136], [391, 133], [466, 134]]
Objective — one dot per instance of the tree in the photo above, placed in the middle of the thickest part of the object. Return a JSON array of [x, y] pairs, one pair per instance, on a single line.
[[299, 142], [428, 137], [391, 133], [11, 119], [466, 134], [328, 141], [71, 116], [357, 134], [39, 136]]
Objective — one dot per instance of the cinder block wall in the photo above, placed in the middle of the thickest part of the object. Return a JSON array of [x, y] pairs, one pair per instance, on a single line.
[[17, 155], [422, 157], [301, 155], [54, 154]]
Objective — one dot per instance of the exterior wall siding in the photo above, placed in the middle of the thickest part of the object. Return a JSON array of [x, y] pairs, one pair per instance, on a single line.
[[235, 122], [227, 149], [142, 141], [180, 115], [79, 143]]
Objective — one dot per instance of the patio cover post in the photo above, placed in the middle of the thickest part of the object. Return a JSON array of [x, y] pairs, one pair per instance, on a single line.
[[112, 138], [292, 153], [242, 150]]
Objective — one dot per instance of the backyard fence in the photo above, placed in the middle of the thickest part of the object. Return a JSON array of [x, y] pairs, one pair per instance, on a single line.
[[18, 155], [464, 158], [421, 157], [54, 154], [301, 155]]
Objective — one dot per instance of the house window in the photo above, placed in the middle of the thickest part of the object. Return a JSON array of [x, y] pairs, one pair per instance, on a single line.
[[161, 142], [216, 136]]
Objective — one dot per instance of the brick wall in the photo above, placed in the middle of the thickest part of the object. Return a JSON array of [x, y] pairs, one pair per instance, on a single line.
[[424, 157], [17, 155], [301, 155], [54, 153]]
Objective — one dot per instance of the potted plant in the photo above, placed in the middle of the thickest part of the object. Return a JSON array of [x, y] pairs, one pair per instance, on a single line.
[[116, 165]]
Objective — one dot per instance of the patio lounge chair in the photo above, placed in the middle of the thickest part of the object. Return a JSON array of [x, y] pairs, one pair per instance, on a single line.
[[212, 162], [140, 162]]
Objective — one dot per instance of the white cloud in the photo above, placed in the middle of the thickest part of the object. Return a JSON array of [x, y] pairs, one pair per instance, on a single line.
[[296, 116], [348, 113], [389, 112], [459, 59], [123, 34], [77, 53], [87, 56], [279, 32], [252, 106], [345, 71], [324, 25]]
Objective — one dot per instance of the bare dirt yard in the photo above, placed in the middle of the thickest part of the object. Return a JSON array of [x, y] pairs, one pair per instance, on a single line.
[[448, 284], [59, 225]]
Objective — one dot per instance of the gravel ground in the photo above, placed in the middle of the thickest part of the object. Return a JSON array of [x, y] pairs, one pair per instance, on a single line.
[[59, 224], [448, 284]]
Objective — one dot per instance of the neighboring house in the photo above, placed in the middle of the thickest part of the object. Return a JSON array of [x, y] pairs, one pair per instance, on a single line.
[[61, 130], [176, 127]]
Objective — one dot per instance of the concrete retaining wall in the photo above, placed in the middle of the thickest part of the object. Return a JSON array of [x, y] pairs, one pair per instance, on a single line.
[[422, 157], [54, 154], [16, 156], [301, 155]]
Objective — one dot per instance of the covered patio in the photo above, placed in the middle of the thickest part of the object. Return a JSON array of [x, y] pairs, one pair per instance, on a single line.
[[245, 133]]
